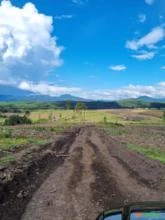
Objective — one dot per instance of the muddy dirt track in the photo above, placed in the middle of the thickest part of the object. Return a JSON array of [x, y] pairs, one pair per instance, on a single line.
[[82, 173]]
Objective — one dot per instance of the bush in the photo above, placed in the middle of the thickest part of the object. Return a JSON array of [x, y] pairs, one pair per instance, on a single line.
[[105, 119], [17, 120]]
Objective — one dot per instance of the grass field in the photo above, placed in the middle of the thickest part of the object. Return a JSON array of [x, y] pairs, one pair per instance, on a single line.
[[140, 130]]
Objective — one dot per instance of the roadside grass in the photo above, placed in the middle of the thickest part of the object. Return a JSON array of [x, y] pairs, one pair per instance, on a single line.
[[6, 160], [148, 152], [9, 144], [145, 139], [50, 128], [114, 129], [5, 132], [17, 137]]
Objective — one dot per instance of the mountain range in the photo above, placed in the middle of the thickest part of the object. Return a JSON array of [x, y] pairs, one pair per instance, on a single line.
[[9, 93]]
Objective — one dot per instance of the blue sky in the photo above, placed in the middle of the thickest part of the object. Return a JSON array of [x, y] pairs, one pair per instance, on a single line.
[[101, 49]]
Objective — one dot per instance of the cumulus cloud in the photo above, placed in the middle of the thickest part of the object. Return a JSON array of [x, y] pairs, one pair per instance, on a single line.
[[163, 67], [149, 2], [61, 17], [157, 34], [142, 18], [144, 55], [44, 88], [27, 49], [118, 68]]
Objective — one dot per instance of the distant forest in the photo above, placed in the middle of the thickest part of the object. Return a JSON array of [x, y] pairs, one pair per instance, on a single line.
[[23, 106]]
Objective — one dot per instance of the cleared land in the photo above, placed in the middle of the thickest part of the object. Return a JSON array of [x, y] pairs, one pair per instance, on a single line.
[[51, 171]]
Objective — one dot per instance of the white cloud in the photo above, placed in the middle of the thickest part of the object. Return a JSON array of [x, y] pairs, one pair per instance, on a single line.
[[44, 88], [118, 68], [163, 67], [130, 91], [142, 18], [147, 43], [157, 34], [8, 82], [144, 55], [61, 17], [149, 2], [162, 84], [27, 49]]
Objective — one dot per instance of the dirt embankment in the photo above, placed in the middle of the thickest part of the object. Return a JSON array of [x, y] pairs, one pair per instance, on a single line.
[[80, 174]]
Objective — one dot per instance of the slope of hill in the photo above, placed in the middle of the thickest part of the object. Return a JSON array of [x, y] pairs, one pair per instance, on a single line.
[[150, 99]]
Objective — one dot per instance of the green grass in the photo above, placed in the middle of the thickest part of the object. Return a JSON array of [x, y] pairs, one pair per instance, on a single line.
[[91, 116], [7, 160], [70, 116], [148, 152], [5, 132], [7, 144], [46, 123], [114, 129], [10, 143]]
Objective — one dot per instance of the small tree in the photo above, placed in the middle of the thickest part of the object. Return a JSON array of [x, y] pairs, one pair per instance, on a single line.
[[60, 115], [164, 116], [80, 106], [68, 105], [27, 113]]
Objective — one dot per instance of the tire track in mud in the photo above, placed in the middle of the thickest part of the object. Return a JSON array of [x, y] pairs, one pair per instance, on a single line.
[[104, 191], [132, 187], [71, 186], [77, 172]]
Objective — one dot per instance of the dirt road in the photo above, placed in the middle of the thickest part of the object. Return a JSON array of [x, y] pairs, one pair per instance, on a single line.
[[94, 177], [96, 173]]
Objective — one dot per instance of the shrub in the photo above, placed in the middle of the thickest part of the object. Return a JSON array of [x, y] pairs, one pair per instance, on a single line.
[[5, 133], [164, 116], [17, 120], [105, 119], [3, 115], [27, 113]]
